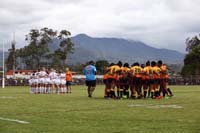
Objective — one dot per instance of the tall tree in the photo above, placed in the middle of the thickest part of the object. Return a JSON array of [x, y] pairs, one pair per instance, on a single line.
[[37, 48], [66, 45], [192, 59]]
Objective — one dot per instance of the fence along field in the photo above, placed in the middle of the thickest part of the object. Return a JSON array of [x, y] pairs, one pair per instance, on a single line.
[[77, 113]]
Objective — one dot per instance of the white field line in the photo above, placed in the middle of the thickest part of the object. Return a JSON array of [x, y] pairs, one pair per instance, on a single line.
[[136, 105], [14, 120], [8, 97], [166, 106], [156, 106]]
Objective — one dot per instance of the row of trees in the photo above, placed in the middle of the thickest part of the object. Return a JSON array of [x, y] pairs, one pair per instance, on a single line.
[[37, 54]]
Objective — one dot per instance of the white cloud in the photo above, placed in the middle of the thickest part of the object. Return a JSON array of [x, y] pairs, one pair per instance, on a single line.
[[160, 23]]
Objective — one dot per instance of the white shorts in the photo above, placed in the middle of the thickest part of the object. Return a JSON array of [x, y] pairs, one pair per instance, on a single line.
[[42, 80], [36, 81], [47, 81], [63, 81], [30, 81], [57, 81]]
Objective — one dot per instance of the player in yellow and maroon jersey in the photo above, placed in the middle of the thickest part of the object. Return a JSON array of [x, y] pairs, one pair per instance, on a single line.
[[143, 77], [147, 84], [136, 71], [156, 76], [111, 77], [108, 81], [164, 79], [117, 83], [124, 81]]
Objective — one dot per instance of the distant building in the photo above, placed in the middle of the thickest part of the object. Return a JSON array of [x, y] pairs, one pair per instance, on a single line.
[[18, 74]]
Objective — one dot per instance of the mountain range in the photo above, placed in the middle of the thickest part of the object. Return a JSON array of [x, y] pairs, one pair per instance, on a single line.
[[115, 49]]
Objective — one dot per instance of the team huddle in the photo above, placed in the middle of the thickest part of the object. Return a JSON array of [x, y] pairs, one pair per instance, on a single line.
[[44, 81], [133, 81], [143, 81]]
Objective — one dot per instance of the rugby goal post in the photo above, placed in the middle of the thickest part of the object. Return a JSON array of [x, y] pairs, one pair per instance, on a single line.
[[3, 71]]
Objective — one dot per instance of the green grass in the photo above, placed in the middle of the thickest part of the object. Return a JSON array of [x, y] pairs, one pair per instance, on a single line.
[[76, 112]]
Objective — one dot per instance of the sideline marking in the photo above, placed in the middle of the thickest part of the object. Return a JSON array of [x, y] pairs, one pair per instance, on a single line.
[[8, 97], [14, 120], [166, 106], [156, 106], [136, 105]]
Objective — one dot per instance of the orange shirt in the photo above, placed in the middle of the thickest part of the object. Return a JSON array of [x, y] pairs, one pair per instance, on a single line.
[[68, 76]]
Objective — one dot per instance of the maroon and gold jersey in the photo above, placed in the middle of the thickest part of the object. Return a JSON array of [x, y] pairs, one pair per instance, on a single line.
[[124, 72], [156, 72], [136, 71], [164, 71]]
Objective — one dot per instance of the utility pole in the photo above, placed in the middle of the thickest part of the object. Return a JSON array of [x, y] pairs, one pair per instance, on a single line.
[[13, 48], [3, 78]]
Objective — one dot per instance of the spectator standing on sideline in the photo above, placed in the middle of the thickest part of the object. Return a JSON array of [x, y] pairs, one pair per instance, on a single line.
[[68, 80], [90, 72]]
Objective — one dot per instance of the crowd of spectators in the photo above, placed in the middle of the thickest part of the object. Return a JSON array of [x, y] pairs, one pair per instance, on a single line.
[[25, 82], [81, 81]]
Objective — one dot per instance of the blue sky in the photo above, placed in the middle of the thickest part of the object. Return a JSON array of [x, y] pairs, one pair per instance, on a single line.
[[159, 23]]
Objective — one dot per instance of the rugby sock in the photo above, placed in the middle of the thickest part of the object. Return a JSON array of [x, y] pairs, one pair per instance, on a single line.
[[145, 94], [40, 90], [152, 94], [65, 89], [108, 94], [156, 93], [112, 94], [121, 94], [164, 92], [118, 93], [170, 92], [45, 89], [127, 93], [149, 93]]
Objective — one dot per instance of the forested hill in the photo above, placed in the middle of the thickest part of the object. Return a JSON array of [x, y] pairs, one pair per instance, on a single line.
[[114, 49]]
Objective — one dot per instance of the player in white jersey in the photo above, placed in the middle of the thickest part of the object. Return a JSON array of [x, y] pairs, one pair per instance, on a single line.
[[47, 83], [31, 82], [62, 83], [53, 76], [58, 83], [36, 81], [42, 75]]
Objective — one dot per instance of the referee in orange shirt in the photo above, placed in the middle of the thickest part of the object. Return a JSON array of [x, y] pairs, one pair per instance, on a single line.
[[68, 80]]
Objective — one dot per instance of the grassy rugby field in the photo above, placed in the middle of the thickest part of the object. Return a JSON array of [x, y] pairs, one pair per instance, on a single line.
[[55, 113]]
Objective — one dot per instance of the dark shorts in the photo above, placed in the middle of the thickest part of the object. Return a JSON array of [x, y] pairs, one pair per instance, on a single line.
[[151, 81], [90, 83], [136, 81], [68, 83], [157, 81], [111, 80], [146, 82], [164, 80]]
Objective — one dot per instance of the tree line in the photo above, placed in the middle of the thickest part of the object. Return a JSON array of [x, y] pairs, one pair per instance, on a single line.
[[37, 54], [192, 58]]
